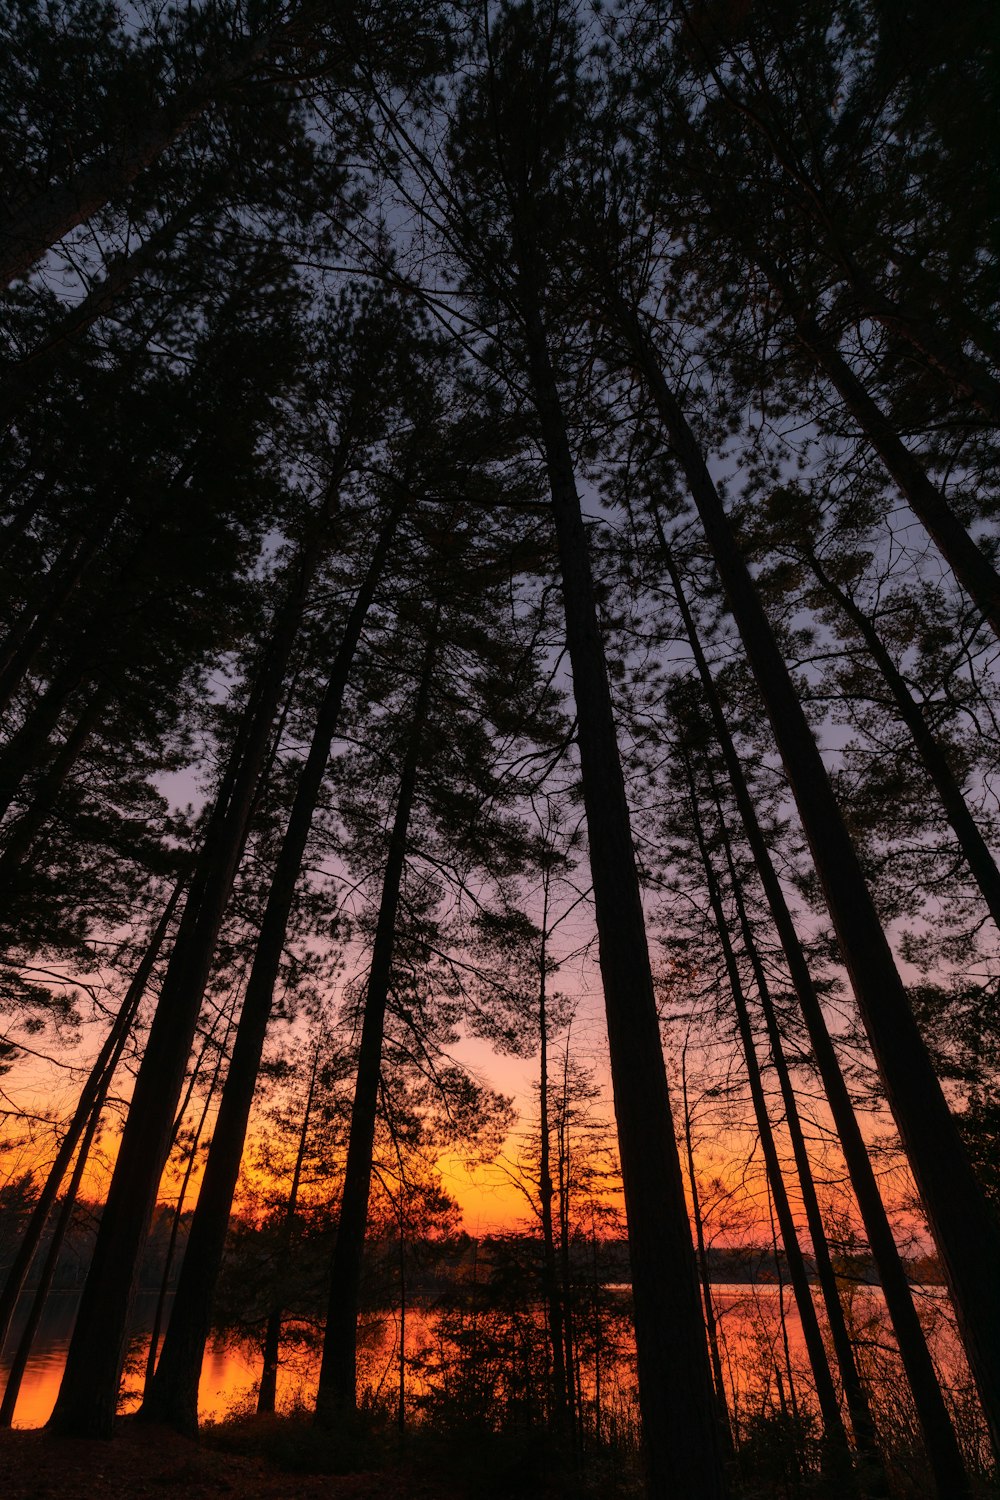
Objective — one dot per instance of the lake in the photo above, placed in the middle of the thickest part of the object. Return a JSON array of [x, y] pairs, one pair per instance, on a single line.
[[755, 1357]]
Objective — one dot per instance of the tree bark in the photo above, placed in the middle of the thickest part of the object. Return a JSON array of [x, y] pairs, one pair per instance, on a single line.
[[701, 1249], [550, 1279], [272, 1336], [175, 1226], [23, 378], [680, 1423], [337, 1390], [22, 833], [971, 842], [24, 1346], [932, 1413], [960, 1217], [172, 1396], [972, 568], [874, 1477], [88, 1395], [53, 212], [835, 1435], [94, 1089]]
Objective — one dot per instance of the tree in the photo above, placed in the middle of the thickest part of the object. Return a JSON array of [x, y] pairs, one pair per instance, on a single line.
[[173, 1392], [150, 95], [87, 1402], [512, 126], [953, 1200]]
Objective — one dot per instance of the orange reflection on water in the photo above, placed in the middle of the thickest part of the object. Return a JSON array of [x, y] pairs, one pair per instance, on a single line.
[[225, 1376], [750, 1323], [228, 1376]]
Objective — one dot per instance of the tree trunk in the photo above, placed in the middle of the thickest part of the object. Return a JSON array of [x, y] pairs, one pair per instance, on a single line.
[[400, 1206], [108, 1061], [550, 1279], [85, 662], [598, 1337], [968, 380], [173, 1394], [337, 1391], [966, 377], [564, 1168], [175, 1226], [789, 1408], [680, 1423], [28, 748], [874, 1476], [835, 1436], [26, 374], [971, 842], [93, 1090], [701, 1249], [23, 1352], [962, 1221], [48, 600], [54, 211], [938, 1433], [401, 1398], [973, 569], [268, 1391], [23, 832], [88, 1395]]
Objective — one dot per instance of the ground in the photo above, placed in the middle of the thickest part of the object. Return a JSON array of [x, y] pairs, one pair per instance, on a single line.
[[145, 1461]]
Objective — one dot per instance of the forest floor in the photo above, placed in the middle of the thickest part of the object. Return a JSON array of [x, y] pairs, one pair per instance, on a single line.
[[145, 1461], [288, 1458]]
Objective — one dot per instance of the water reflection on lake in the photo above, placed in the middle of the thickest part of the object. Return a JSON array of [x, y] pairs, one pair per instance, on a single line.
[[750, 1321], [223, 1372]]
